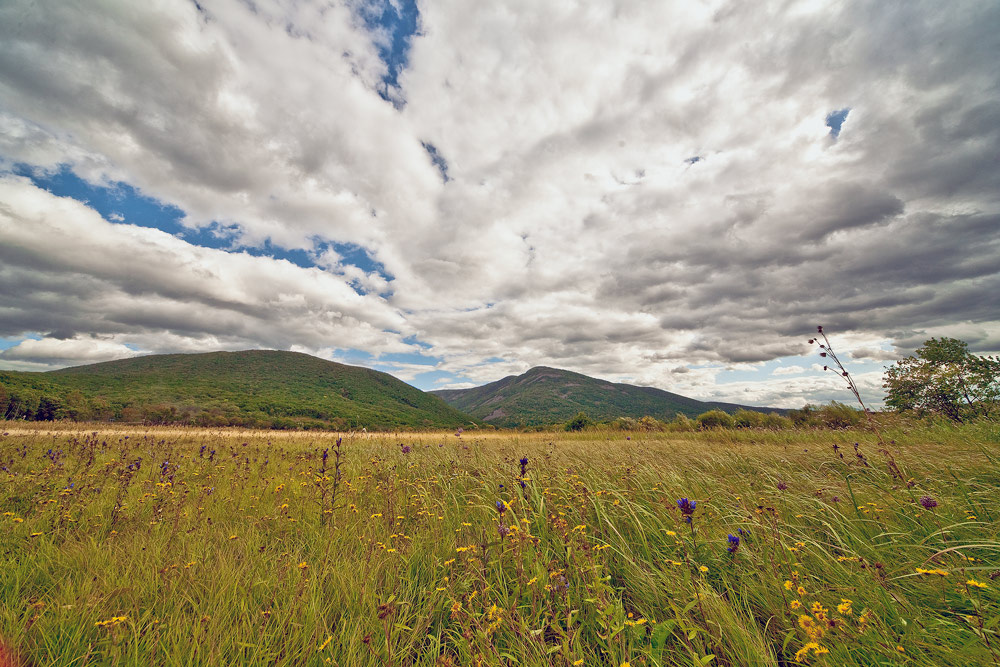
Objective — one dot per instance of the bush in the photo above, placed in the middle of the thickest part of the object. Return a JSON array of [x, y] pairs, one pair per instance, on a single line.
[[714, 419], [579, 422], [776, 422], [748, 419], [682, 424], [838, 415]]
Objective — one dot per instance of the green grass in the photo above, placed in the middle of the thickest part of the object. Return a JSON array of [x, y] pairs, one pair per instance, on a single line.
[[245, 558]]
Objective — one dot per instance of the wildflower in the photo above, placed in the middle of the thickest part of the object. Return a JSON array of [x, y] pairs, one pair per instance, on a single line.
[[940, 573], [703, 569], [406, 449], [303, 565], [501, 507], [803, 652], [782, 485], [326, 643], [812, 629], [801, 591], [578, 662], [795, 604], [687, 508], [734, 543], [928, 503], [844, 608], [976, 584], [788, 584]]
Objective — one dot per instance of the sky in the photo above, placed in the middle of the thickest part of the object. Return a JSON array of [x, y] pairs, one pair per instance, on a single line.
[[672, 193]]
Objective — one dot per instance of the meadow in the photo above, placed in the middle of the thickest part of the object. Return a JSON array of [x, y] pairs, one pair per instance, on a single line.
[[174, 546]]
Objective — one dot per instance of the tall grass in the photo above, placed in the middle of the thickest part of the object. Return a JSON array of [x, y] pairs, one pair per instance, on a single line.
[[143, 547]]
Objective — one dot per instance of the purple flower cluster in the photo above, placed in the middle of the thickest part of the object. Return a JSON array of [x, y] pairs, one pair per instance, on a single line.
[[687, 508]]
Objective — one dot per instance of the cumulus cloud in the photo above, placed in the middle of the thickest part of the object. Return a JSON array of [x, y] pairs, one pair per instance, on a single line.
[[53, 351], [65, 269], [574, 229]]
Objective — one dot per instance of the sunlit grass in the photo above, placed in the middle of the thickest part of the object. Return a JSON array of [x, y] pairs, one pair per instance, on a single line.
[[246, 556]]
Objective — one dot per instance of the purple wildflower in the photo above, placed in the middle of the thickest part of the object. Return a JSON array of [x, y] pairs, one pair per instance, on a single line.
[[734, 543], [928, 503], [687, 508]]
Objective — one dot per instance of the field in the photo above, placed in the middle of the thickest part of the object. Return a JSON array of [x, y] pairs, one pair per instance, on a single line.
[[184, 547]]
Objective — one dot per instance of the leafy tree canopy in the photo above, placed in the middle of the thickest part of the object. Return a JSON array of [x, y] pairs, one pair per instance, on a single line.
[[943, 377]]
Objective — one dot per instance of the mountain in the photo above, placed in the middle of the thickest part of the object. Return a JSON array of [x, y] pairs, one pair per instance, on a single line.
[[251, 388], [550, 395]]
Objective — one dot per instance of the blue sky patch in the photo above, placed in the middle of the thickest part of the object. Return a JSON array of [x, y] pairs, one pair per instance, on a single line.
[[437, 159], [399, 20], [120, 203], [835, 120]]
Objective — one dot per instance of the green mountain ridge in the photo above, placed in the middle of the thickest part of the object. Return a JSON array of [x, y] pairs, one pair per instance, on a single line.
[[546, 395], [264, 388]]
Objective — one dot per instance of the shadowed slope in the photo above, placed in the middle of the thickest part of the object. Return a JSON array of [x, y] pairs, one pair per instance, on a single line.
[[549, 395]]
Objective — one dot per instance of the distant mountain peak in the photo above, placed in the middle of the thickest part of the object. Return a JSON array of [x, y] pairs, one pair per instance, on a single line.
[[545, 395]]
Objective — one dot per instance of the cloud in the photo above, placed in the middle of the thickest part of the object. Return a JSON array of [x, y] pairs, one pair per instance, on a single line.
[[788, 370], [75, 351], [573, 228], [64, 269]]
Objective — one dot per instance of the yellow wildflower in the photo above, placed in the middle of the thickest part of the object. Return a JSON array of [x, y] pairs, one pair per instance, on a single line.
[[844, 608], [977, 584]]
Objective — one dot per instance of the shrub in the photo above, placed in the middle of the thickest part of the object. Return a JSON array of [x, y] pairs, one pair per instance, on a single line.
[[714, 419], [743, 418], [579, 422], [682, 423], [838, 415]]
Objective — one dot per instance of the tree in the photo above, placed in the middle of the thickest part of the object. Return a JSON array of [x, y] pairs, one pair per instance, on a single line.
[[579, 422], [944, 378]]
